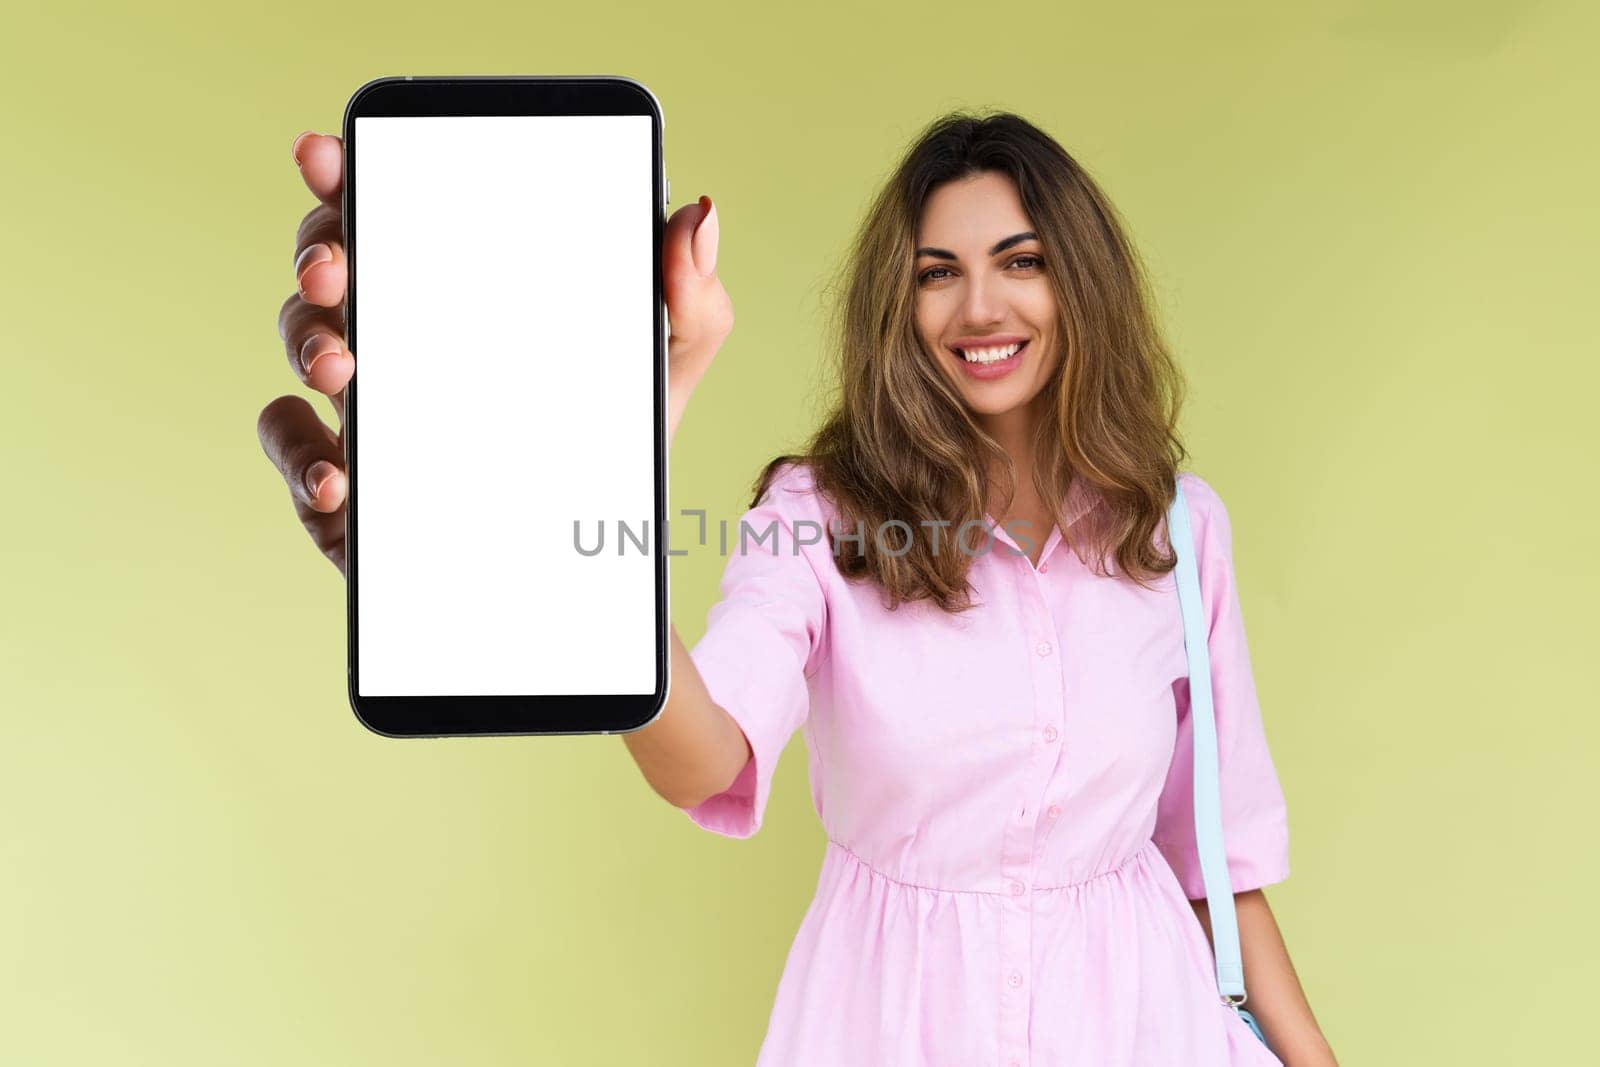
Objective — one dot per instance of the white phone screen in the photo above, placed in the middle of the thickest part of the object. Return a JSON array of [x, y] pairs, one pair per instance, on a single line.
[[505, 391]]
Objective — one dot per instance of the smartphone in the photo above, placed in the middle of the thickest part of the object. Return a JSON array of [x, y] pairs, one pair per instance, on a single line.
[[505, 430]]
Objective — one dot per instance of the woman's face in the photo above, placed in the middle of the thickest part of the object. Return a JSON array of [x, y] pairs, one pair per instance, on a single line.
[[982, 290]]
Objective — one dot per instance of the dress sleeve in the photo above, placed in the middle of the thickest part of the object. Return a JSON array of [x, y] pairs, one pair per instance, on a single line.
[[1255, 826], [763, 640]]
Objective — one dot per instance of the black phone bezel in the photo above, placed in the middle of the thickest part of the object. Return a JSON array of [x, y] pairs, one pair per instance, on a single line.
[[501, 716]]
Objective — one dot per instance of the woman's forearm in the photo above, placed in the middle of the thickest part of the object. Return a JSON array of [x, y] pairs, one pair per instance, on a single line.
[[1275, 997], [693, 749]]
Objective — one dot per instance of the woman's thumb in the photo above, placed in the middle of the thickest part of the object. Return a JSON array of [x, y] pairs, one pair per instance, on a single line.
[[704, 242]]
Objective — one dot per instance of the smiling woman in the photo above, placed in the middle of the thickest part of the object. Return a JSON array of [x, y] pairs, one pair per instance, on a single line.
[[998, 739], [996, 344], [1003, 286]]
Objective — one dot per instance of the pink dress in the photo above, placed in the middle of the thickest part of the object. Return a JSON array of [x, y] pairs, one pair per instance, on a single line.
[[1006, 798]]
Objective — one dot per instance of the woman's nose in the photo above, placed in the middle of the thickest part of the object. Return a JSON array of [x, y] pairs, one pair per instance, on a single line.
[[979, 305]]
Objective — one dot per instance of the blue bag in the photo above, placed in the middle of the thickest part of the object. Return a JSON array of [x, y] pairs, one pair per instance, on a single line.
[[1207, 790]]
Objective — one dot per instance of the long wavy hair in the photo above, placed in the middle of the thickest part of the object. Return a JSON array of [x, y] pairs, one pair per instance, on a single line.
[[899, 442]]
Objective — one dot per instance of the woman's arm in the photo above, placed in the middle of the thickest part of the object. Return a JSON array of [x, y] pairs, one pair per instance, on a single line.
[[1273, 989], [694, 749]]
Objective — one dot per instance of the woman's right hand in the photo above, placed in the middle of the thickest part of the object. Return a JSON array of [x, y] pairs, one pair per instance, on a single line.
[[311, 322]]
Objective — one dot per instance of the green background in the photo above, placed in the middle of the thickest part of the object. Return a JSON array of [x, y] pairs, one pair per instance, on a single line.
[[1372, 233]]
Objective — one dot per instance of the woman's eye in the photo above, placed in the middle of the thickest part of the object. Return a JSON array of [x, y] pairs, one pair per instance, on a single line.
[[931, 274]]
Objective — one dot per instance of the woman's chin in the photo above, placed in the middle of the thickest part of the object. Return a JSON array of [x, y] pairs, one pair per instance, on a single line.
[[992, 402]]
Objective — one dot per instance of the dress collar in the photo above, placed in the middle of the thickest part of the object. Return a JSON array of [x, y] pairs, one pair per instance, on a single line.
[[1081, 499]]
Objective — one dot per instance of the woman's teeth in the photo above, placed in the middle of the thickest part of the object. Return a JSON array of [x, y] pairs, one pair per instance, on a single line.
[[990, 355]]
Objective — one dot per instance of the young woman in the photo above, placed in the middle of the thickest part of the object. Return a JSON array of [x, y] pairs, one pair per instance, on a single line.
[[963, 595]]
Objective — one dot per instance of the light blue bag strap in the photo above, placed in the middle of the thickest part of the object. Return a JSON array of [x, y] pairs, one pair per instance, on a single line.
[[1207, 790]]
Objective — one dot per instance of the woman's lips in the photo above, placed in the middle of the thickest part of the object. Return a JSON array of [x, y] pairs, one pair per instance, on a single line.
[[989, 371]]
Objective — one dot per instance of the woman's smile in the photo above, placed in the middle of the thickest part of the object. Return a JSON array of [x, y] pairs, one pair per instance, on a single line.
[[989, 361]]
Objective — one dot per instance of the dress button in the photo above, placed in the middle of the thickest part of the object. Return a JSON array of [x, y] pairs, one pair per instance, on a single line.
[[1053, 810], [1017, 889], [1015, 979], [1050, 734], [1044, 648], [1044, 568]]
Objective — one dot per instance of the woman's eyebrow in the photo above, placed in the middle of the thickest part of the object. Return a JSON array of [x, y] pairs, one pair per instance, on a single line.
[[1016, 238]]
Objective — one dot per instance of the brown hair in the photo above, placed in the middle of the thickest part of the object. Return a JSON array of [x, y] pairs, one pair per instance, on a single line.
[[899, 442]]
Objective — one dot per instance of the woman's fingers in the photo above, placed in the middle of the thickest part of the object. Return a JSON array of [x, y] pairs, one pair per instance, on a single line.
[[319, 268], [314, 342], [309, 457], [311, 322], [308, 454], [320, 158], [305, 451], [319, 261]]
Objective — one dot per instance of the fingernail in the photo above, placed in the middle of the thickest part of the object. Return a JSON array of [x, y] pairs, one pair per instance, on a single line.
[[314, 254], [314, 348], [704, 243], [316, 474], [294, 150]]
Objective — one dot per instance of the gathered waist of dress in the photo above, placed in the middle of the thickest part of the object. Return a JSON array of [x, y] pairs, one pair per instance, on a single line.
[[1142, 857]]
